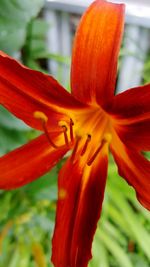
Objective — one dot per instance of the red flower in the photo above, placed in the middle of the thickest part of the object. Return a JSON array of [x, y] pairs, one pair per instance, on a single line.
[[89, 122]]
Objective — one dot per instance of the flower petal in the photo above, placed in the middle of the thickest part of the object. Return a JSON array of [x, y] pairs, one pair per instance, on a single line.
[[132, 105], [24, 91], [29, 162], [136, 135], [81, 192], [134, 168], [131, 117], [95, 52]]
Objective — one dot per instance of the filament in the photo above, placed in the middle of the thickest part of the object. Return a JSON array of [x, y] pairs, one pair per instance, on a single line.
[[71, 130], [90, 161], [86, 145], [75, 148], [63, 124], [65, 135], [47, 135], [44, 119]]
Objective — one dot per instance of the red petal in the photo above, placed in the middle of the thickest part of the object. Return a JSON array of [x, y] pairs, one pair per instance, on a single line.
[[131, 117], [136, 135], [132, 105], [81, 192], [28, 162], [24, 91], [134, 168], [95, 52]]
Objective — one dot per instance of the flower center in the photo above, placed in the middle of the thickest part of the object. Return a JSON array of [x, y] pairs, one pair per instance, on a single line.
[[87, 132], [92, 131]]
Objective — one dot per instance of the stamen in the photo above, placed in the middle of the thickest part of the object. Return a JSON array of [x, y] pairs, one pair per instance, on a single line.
[[65, 135], [71, 130], [86, 145], [95, 154], [47, 135], [64, 125], [75, 148], [106, 140], [41, 116]]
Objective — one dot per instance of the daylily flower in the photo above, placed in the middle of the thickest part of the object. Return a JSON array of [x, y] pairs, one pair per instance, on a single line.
[[90, 121]]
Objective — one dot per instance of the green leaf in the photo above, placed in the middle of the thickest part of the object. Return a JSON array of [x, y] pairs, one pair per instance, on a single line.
[[57, 58], [121, 257], [14, 260], [7, 120], [45, 187], [138, 231], [114, 232], [100, 254], [36, 39], [14, 18]]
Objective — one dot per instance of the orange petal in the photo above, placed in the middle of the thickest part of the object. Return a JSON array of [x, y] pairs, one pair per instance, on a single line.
[[28, 162], [95, 52], [81, 192], [134, 168], [24, 91]]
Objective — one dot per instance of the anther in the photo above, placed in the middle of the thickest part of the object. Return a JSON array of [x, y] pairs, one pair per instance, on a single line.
[[71, 130], [41, 116], [75, 148], [107, 138], [86, 144]]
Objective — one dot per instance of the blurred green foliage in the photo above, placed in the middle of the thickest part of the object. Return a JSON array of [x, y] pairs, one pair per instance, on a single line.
[[27, 214], [14, 18]]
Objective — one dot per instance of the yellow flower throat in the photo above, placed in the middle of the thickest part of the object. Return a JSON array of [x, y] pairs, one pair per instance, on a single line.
[[86, 132]]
